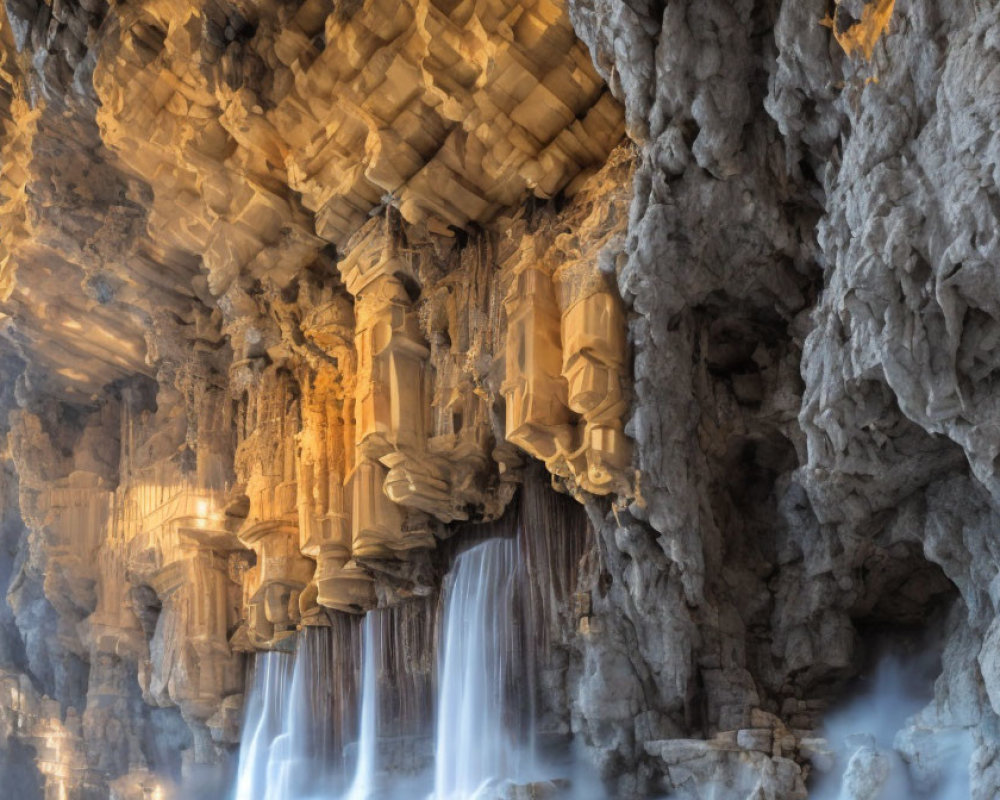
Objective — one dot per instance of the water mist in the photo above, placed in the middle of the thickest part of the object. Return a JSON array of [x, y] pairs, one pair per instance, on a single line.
[[866, 738]]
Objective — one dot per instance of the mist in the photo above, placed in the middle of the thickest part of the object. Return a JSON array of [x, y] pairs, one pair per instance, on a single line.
[[868, 759]]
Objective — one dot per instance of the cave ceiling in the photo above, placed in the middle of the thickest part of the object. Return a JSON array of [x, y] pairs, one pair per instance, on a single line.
[[158, 155]]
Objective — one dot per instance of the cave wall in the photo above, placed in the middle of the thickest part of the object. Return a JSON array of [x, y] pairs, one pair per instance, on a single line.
[[288, 291], [805, 258]]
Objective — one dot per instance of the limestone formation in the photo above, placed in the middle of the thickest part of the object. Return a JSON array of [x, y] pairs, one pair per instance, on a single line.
[[565, 357], [299, 298]]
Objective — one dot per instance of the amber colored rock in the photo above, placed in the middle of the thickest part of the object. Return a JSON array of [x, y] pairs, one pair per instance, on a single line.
[[269, 275], [266, 466], [566, 357]]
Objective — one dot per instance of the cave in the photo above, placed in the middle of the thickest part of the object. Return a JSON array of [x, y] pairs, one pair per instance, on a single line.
[[499, 399]]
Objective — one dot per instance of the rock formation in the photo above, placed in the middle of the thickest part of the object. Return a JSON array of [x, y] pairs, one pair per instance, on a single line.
[[294, 295]]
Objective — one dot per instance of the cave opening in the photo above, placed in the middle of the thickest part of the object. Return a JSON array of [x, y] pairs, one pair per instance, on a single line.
[[877, 724]]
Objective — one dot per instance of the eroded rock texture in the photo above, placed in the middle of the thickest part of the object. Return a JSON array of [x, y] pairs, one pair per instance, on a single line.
[[292, 292], [800, 210]]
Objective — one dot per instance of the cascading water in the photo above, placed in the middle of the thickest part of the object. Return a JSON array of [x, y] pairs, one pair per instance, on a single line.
[[353, 716], [301, 720], [265, 717], [295, 721], [483, 731], [363, 785], [301, 758]]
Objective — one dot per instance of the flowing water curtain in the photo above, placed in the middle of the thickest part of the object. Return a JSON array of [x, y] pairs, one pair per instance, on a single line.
[[284, 760], [555, 537], [300, 711], [558, 545], [265, 717], [303, 759], [316, 734], [406, 662], [481, 723], [363, 785], [343, 696], [503, 601], [397, 697]]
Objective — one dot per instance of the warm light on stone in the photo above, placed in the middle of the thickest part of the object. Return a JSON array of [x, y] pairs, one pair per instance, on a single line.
[[412, 390]]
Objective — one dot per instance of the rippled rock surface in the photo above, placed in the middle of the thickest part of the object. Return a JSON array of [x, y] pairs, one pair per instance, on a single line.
[[695, 300]]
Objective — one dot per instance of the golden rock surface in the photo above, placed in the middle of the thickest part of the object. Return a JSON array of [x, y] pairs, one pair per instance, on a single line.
[[315, 280]]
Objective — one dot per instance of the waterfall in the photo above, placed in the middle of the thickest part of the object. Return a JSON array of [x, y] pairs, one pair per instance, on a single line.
[[265, 716], [368, 690], [363, 785], [483, 738], [302, 755], [298, 715]]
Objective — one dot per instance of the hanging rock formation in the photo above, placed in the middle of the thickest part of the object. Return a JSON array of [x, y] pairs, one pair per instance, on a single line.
[[293, 295]]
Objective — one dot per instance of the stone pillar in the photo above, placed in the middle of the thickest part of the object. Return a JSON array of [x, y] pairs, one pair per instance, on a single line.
[[390, 402], [538, 418], [565, 360], [75, 510], [177, 537], [266, 461], [326, 455], [593, 366], [182, 554]]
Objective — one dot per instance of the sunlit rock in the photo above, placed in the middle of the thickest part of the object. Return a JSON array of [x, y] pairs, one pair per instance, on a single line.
[[689, 307]]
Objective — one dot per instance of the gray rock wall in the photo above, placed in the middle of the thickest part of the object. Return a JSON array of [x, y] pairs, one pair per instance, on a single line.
[[812, 269]]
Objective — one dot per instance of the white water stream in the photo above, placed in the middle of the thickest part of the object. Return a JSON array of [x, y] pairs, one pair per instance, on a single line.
[[484, 736], [289, 747], [363, 784], [265, 718], [480, 741]]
